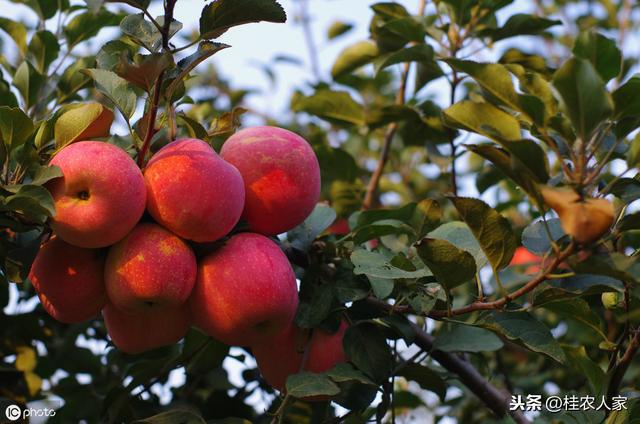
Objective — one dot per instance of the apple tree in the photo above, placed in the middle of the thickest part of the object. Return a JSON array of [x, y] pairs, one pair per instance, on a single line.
[[449, 228]]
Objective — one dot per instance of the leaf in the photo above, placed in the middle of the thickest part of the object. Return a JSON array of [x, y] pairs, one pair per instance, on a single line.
[[44, 174], [614, 265], [586, 100], [17, 31], [492, 230], [144, 70], [460, 235], [578, 310], [535, 238], [578, 359], [32, 201], [139, 4], [142, 32], [117, 89], [353, 57], [426, 378], [422, 53], [83, 122], [382, 228], [524, 329], [626, 99], [465, 338], [15, 127], [450, 265], [576, 286], [331, 105], [173, 416], [87, 25], [45, 9], [220, 15], [345, 372], [365, 347], [382, 287], [29, 83], [376, 265], [43, 50], [601, 51], [306, 384], [338, 28], [520, 24], [482, 118]]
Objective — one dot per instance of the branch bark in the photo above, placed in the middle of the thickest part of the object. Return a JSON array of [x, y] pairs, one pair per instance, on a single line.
[[497, 400], [622, 366]]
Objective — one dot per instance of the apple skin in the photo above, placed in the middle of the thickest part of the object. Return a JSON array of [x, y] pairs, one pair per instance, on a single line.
[[151, 266], [69, 281], [282, 356], [340, 227], [145, 330], [192, 192], [522, 256], [281, 176], [101, 196], [245, 292]]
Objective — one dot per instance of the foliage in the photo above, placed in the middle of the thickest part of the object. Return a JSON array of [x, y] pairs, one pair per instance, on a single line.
[[557, 107]]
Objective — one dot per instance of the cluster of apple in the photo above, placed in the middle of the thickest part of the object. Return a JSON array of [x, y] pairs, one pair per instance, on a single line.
[[140, 270]]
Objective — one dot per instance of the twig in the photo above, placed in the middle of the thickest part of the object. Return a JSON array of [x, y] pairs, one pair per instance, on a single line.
[[495, 399], [305, 22], [622, 366]]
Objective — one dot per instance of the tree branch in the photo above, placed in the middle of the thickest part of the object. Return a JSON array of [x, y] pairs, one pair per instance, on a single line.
[[622, 366], [497, 400]]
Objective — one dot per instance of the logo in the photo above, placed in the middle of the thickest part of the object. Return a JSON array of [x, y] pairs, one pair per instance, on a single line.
[[13, 412]]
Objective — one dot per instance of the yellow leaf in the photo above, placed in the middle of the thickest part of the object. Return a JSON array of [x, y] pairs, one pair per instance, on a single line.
[[26, 358]]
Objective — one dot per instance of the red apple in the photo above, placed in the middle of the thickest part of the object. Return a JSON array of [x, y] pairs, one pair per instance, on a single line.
[[69, 281], [340, 227], [145, 330], [523, 257], [101, 196], [281, 177], [245, 292], [148, 268], [282, 356], [192, 192]]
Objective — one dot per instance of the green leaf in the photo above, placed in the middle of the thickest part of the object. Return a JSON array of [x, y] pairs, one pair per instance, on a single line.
[[15, 127], [72, 80], [317, 300], [306, 384], [575, 286], [117, 89], [601, 51], [142, 32], [427, 378], [139, 4], [482, 118], [365, 346], [44, 174], [331, 105], [465, 338], [338, 28], [536, 239], [45, 9], [585, 98], [83, 121], [626, 99], [460, 235], [345, 372], [143, 70], [87, 25], [450, 265], [43, 50], [524, 329], [304, 234], [614, 265], [29, 83], [32, 201], [408, 28], [220, 15], [376, 265], [578, 359], [492, 230], [422, 53], [520, 24], [353, 57], [17, 31], [578, 310], [382, 228], [382, 287]]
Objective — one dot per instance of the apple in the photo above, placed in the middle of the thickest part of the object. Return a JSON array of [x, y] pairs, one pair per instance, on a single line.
[[523, 257], [245, 291], [281, 177], [150, 267], [282, 356], [140, 331], [192, 192], [69, 281], [340, 227], [101, 196]]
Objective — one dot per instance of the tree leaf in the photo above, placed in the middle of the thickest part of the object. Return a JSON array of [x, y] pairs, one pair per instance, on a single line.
[[376, 265], [29, 83], [535, 238], [427, 378], [492, 230], [450, 265], [139, 4], [338, 28], [601, 51], [331, 105], [43, 49], [626, 99], [17, 31], [520, 24], [173, 416], [482, 118], [144, 70], [142, 32], [87, 25], [83, 122], [345, 372], [220, 15], [460, 235], [578, 359], [306, 384], [15, 127], [117, 89], [586, 100], [304, 234], [422, 53], [524, 329], [353, 57], [578, 310], [365, 346], [465, 338]]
